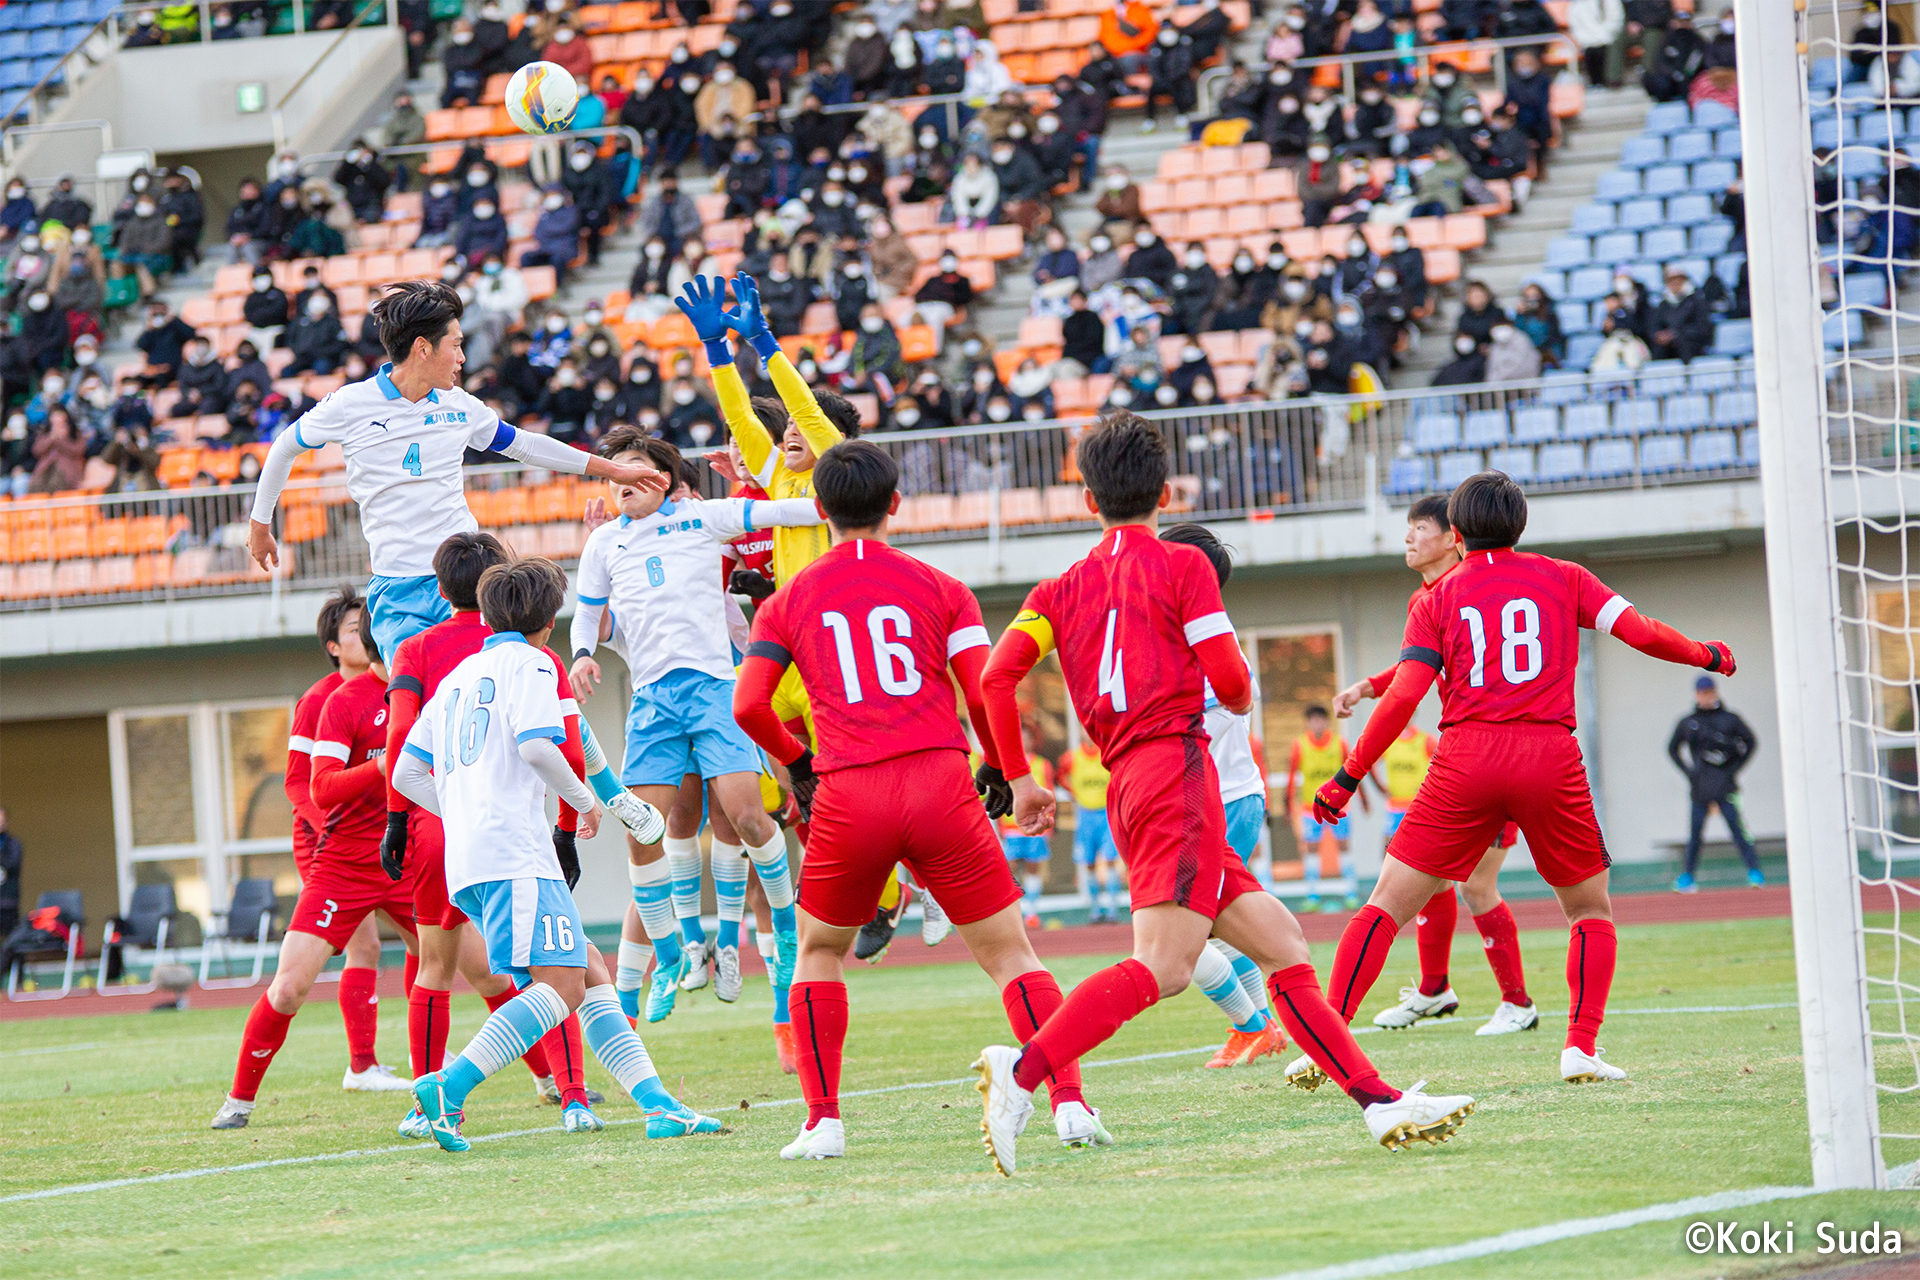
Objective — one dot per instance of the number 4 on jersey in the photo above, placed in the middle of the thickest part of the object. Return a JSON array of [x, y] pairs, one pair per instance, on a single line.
[[411, 463], [1113, 672]]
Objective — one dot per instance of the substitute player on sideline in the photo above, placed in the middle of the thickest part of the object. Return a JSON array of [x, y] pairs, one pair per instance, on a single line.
[[1141, 630], [1505, 625], [873, 633]]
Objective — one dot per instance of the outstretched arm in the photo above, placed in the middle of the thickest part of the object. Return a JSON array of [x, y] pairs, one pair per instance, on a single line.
[[1658, 640], [751, 323], [273, 478]]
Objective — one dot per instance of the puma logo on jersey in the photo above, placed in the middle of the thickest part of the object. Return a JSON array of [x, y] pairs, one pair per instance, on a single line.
[[382, 424]]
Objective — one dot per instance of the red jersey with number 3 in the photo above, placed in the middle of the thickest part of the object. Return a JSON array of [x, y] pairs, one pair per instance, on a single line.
[[1125, 621], [353, 730], [1505, 628], [872, 631]]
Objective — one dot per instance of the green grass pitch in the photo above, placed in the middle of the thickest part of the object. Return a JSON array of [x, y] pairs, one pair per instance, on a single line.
[[1216, 1173]]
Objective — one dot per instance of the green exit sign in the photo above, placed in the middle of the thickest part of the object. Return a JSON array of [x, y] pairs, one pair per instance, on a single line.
[[250, 98]]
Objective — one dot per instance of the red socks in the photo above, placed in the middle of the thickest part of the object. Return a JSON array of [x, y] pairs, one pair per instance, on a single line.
[[1097, 1008], [1357, 962], [564, 1054], [408, 972], [1502, 939], [360, 1010], [266, 1032], [820, 1033], [1590, 955], [1315, 1027], [1435, 925], [429, 1014], [1031, 999], [535, 1057]]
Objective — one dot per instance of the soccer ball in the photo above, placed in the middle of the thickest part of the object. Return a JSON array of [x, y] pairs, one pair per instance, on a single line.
[[541, 98]]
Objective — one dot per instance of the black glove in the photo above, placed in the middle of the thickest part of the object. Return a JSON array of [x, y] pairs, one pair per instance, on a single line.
[[565, 849], [800, 772], [749, 583], [393, 846], [992, 786]]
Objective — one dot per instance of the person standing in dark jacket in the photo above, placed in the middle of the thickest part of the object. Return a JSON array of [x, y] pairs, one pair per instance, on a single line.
[[1170, 61], [12, 853], [1083, 117], [1667, 75], [365, 180], [1682, 320], [1718, 745]]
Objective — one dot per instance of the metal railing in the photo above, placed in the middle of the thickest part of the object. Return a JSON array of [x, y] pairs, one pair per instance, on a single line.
[[317, 161], [388, 10]]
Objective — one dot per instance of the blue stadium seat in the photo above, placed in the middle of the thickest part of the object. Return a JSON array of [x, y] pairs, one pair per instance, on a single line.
[[1665, 180], [1563, 386], [1586, 284], [1636, 214], [43, 13], [1823, 73], [1517, 463], [1726, 143], [1575, 317], [1663, 453], [1591, 219], [1856, 165], [1535, 423], [1712, 450], [1714, 175], [1727, 267], [13, 17], [1662, 377], [1668, 117], [1710, 237], [1409, 476], [98, 9], [1736, 407], [1434, 432], [1553, 282], [17, 73], [1569, 251], [1484, 427], [1662, 243], [1863, 289], [1617, 184], [1456, 467], [1750, 447], [1608, 458], [1616, 246], [46, 40], [1687, 210], [1560, 462], [1685, 148], [1697, 269], [13, 44], [1581, 348], [1642, 152], [1647, 276], [1635, 417], [1684, 412], [1717, 115], [44, 67], [1828, 133], [74, 12], [1878, 128], [1847, 328], [1585, 421], [1733, 338], [1710, 376]]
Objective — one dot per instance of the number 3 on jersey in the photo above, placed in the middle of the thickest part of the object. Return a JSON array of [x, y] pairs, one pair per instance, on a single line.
[[411, 463], [1521, 658]]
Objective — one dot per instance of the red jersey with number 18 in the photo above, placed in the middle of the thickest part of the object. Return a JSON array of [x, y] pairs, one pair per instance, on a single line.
[[872, 631], [1505, 628]]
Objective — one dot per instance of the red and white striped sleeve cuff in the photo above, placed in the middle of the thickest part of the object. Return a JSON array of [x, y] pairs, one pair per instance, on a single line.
[[1209, 626], [333, 751], [1609, 614], [967, 638]]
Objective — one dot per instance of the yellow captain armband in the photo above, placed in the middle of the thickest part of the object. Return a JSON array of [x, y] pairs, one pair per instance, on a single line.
[[1035, 625]]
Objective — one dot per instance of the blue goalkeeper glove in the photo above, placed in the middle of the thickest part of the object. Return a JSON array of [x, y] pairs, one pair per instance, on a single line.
[[703, 302], [748, 320]]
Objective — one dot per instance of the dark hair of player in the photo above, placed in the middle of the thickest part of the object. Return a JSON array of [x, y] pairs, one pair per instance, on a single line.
[[689, 475], [1198, 535], [522, 595], [660, 454], [367, 641], [1123, 460], [1489, 510], [345, 600], [459, 563], [772, 412], [854, 483], [414, 309], [840, 412], [1317, 710], [1433, 507]]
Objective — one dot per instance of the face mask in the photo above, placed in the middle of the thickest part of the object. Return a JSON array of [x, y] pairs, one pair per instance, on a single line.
[[139, 184], [808, 368], [643, 85], [1295, 289], [723, 76], [317, 307], [490, 269], [943, 51], [649, 418], [1100, 244], [1464, 345], [1303, 329], [1016, 131], [597, 350], [1117, 182], [1429, 117], [1121, 396], [1317, 154], [853, 270], [1169, 37], [1370, 98], [948, 264], [38, 302], [86, 356], [1048, 124], [1289, 105], [1399, 244], [262, 283], [928, 141], [983, 378], [971, 347], [1386, 279], [483, 211], [858, 173], [780, 273], [683, 395], [556, 324], [1191, 354], [579, 161], [863, 29], [477, 178], [144, 209], [1296, 21], [1471, 117], [1143, 239], [641, 374], [563, 36], [552, 202], [31, 244], [1196, 260], [14, 193], [1002, 156], [463, 37], [907, 417], [566, 377], [1166, 395], [1444, 80], [1726, 25], [834, 199], [98, 397], [82, 236], [999, 412], [1348, 319], [201, 357]]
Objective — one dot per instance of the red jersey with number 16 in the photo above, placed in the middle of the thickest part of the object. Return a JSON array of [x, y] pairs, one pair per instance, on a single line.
[[1505, 628], [872, 631], [1125, 621]]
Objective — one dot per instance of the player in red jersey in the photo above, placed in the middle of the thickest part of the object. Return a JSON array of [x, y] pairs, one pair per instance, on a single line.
[[1505, 627], [346, 885], [1141, 630], [1432, 549], [361, 966], [873, 632]]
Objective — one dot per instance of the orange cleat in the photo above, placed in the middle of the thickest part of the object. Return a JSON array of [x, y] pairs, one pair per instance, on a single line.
[[783, 1043], [1243, 1047]]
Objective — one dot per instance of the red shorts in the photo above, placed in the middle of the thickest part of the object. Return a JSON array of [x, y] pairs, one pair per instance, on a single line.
[[335, 900], [1163, 806], [919, 809], [1485, 776], [427, 866]]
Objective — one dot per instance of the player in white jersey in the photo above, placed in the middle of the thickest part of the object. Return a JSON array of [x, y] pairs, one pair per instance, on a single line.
[[481, 757], [659, 567], [1229, 978]]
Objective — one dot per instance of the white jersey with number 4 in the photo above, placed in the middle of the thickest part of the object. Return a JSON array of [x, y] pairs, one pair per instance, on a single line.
[[492, 804]]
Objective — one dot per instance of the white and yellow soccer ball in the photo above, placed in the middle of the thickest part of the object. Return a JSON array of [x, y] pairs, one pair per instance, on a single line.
[[541, 98]]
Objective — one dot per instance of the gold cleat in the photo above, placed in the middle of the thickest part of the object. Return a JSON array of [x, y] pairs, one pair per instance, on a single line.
[[1417, 1116], [1304, 1073]]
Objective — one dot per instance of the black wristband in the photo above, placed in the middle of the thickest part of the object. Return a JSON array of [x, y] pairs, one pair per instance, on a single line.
[[1345, 780]]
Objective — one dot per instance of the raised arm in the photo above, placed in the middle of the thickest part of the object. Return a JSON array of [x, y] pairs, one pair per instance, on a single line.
[[266, 496], [750, 323], [703, 302]]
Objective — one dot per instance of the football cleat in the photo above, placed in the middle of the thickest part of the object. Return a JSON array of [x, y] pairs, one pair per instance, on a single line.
[[726, 974], [876, 935], [783, 1045], [1588, 1068], [375, 1079], [1417, 1116], [443, 1122], [547, 1090], [1755, 879], [825, 1140], [697, 953], [1243, 1047], [934, 925], [1685, 884], [678, 1121], [664, 988], [232, 1114], [415, 1125], [1304, 1073], [639, 817], [579, 1119], [1509, 1018], [1006, 1107], [1413, 1006], [1079, 1126]]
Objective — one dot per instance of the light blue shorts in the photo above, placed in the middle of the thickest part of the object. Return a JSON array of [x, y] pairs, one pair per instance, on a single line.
[[1311, 831], [527, 924], [683, 723], [1093, 838], [404, 607], [1024, 848], [1394, 818], [1245, 818]]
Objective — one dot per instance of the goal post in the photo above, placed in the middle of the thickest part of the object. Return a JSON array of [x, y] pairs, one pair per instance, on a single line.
[[1804, 592]]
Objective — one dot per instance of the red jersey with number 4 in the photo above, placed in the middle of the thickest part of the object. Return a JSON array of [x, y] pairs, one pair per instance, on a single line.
[[353, 730], [306, 721], [1505, 628], [423, 660], [872, 631], [1125, 621]]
